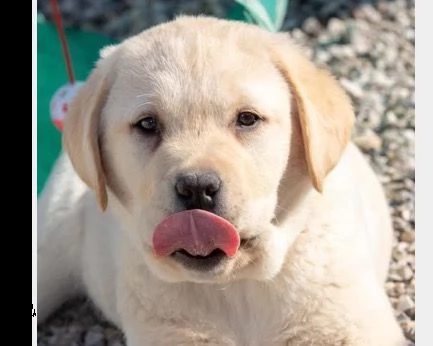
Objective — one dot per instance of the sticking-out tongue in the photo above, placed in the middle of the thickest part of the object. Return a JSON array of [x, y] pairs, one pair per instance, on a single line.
[[196, 231]]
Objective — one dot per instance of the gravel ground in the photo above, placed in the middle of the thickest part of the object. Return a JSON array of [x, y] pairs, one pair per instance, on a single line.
[[370, 48]]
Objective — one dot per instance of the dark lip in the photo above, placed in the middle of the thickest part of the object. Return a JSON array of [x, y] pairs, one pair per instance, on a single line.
[[245, 243], [200, 263], [214, 260]]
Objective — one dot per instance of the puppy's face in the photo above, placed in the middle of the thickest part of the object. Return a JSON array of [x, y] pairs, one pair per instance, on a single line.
[[199, 114]]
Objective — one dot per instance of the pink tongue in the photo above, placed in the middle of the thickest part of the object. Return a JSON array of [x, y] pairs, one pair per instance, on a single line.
[[196, 231]]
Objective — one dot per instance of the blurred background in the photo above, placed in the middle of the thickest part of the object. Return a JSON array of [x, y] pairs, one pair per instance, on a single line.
[[367, 45]]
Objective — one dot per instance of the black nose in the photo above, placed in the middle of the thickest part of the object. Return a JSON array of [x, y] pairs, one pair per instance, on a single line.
[[198, 190]]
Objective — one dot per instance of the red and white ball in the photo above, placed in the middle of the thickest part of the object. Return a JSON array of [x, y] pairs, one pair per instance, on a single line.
[[60, 102]]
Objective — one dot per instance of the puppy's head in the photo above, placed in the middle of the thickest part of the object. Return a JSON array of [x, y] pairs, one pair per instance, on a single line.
[[206, 137]]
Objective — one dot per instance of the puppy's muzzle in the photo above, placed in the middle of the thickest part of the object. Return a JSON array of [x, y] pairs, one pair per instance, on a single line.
[[196, 236], [198, 190]]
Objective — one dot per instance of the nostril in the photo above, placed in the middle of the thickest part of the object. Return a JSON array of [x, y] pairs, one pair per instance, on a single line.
[[211, 190], [183, 191], [210, 183], [186, 194], [186, 185]]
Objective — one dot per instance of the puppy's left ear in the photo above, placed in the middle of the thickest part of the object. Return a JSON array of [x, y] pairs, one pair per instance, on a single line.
[[81, 131], [325, 112]]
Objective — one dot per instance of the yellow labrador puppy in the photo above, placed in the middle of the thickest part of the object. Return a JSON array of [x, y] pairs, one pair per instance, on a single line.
[[210, 196]]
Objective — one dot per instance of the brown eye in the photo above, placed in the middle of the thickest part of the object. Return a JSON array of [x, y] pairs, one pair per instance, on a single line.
[[148, 125], [247, 119]]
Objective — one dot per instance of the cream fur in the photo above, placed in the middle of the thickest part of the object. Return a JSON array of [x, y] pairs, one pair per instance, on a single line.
[[316, 275]]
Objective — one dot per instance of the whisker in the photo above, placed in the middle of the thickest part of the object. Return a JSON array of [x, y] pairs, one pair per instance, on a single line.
[[143, 95]]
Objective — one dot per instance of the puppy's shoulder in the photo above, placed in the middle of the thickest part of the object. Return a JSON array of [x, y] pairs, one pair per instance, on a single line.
[[64, 191]]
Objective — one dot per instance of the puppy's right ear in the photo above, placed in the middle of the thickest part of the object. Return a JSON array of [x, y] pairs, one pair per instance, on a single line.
[[81, 131], [324, 109]]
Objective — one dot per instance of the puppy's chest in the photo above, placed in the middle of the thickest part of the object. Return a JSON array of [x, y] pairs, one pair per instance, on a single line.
[[246, 317]]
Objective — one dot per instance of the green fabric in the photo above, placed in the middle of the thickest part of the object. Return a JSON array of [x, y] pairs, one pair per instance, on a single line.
[[51, 75]]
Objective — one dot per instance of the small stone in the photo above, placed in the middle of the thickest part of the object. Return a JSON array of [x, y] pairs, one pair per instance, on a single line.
[[395, 278], [361, 44], [410, 288], [368, 12], [405, 273], [411, 313], [399, 288], [407, 236], [398, 253], [410, 34], [298, 35], [399, 224], [408, 327], [336, 28], [322, 57], [352, 88], [411, 248], [405, 214], [382, 80], [368, 141], [401, 317], [405, 303], [312, 26], [342, 51]]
